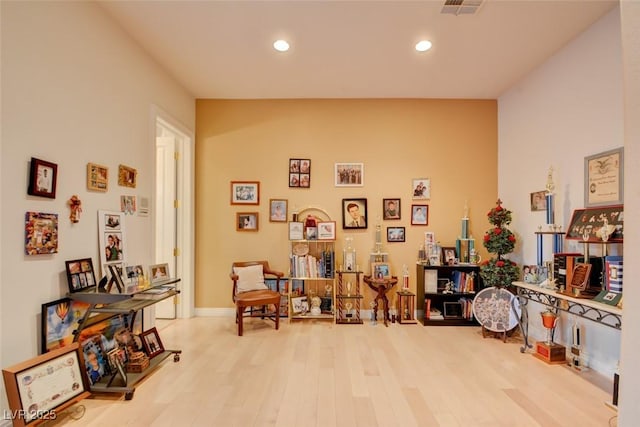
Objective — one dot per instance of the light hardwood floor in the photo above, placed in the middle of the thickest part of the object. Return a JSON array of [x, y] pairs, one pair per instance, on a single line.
[[322, 374]]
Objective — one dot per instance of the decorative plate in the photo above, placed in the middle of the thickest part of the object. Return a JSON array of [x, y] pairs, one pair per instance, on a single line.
[[300, 249]]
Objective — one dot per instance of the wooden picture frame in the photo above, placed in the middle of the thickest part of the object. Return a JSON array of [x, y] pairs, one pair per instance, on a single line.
[[152, 343], [158, 272], [247, 221], [127, 176], [80, 274], [97, 177], [349, 174], [43, 178], [380, 270], [300, 173], [354, 213], [327, 230], [296, 230], [580, 276], [391, 209], [421, 188], [59, 319], [604, 178], [41, 233], [419, 214], [538, 200], [245, 192], [448, 255], [395, 234], [60, 371], [278, 210]]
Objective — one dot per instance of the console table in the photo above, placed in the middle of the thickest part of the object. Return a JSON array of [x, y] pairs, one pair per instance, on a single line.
[[598, 312], [381, 286]]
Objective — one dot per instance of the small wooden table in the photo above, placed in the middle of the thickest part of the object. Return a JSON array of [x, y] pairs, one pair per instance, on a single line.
[[381, 286]]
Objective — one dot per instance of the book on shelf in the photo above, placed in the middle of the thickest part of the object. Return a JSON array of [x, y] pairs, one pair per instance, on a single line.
[[613, 273], [431, 281]]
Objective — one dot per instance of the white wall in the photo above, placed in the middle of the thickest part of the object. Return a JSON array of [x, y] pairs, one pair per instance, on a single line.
[[75, 89], [568, 108]]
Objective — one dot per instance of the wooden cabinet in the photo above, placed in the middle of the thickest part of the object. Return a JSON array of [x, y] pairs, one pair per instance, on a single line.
[[103, 306], [311, 275], [445, 293]]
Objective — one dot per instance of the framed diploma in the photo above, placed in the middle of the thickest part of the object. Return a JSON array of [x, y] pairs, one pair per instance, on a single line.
[[40, 387], [604, 178]]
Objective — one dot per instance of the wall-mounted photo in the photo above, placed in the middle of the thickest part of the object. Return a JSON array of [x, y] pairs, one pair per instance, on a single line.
[[604, 178], [327, 230], [390, 209], [395, 234], [97, 177], [278, 210], [539, 201], [41, 233], [246, 221], [349, 174], [421, 188], [419, 214], [354, 213], [43, 177], [128, 204], [127, 176], [300, 173], [245, 192]]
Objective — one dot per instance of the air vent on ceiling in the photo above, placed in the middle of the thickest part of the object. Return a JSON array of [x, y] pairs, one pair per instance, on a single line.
[[461, 7]]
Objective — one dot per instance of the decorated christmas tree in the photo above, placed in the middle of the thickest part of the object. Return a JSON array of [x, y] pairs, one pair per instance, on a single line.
[[499, 271]]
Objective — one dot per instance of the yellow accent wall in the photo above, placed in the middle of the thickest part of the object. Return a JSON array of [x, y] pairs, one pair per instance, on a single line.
[[452, 142]]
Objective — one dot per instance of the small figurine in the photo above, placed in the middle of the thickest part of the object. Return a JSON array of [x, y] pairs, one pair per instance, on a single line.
[[76, 208]]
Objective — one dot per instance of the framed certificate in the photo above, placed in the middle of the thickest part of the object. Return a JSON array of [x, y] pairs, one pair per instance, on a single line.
[[604, 177]]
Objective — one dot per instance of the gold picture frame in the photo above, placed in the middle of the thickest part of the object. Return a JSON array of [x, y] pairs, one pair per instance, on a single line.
[[97, 177], [127, 176]]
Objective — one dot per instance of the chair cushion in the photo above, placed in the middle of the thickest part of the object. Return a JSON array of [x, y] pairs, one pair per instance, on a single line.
[[250, 278]]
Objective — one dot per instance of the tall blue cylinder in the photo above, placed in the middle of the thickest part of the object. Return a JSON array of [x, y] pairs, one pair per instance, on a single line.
[[550, 219]]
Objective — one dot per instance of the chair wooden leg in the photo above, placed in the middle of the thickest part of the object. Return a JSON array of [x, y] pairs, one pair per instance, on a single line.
[[239, 320], [277, 317]]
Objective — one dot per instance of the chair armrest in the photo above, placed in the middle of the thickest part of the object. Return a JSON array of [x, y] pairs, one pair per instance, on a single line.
[[233, 276], [278, 274]]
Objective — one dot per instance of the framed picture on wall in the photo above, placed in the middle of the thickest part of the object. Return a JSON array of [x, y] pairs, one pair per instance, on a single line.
[[419, 214], [245, 192], [421, 188], [354, 213], [300, 173], [43, 177], [604, 178], [97, 177], [127, 176], [390, 209], [278, 210], [41, 233], [349, 174], [246, 221], [395, 234]]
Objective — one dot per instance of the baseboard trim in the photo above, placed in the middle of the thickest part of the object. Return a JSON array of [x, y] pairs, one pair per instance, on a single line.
[[215, 312]]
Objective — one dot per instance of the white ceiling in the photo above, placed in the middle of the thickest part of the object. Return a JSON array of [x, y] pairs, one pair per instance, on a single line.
[[352, 49]]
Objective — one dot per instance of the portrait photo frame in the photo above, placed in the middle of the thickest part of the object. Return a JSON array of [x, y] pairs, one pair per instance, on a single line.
[[296, 230], [380, 270], [112, 238], [247, 221], [395, 234], [354, 214], [349, 174], [421, 188], [158, 272], [538, 201], [391, 209], [151, 342], [80, 274], [97, 177], [59, 320], [604, 178], [327, 230], [43, 178], [300, 173], [419, 214], [41, 233], [449, 255], [127, 176], [278, 210], [245, 192]]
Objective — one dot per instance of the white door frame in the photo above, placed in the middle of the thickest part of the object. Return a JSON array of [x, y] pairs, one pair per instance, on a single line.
[[185, 221]]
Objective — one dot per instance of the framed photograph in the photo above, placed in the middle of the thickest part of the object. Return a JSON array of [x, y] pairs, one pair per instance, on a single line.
[[97, 177], [43, 177], [296, 230], [158, 272], [539, 201], [95, 359], [452, 310], [311, 233], [115, 277], [448, 255], [354, 213], [587, 224], [151, 342], [395, 234], [127, 176], [80, 274], [246, 221], [128, 204], [134, 272], [40, 233], [116, 364], [245, 193], [390, 209], [421, 188], [604, 178], [380, 270], [107, 330], [112, 238], [59, 319], [278, 210], [300, 173], [419, 214], [327, 230], [349, 174], [32, 383], [299, 304]]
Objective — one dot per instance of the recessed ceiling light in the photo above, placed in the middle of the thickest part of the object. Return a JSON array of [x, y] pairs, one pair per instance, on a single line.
[[281, 45], [423, 45]]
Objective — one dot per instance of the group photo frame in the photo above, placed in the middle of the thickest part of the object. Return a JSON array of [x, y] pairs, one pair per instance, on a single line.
[[112, 238], [421, 188], [349, 174], [245, 192], [80, 274], [300, 173], [395, 234]]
